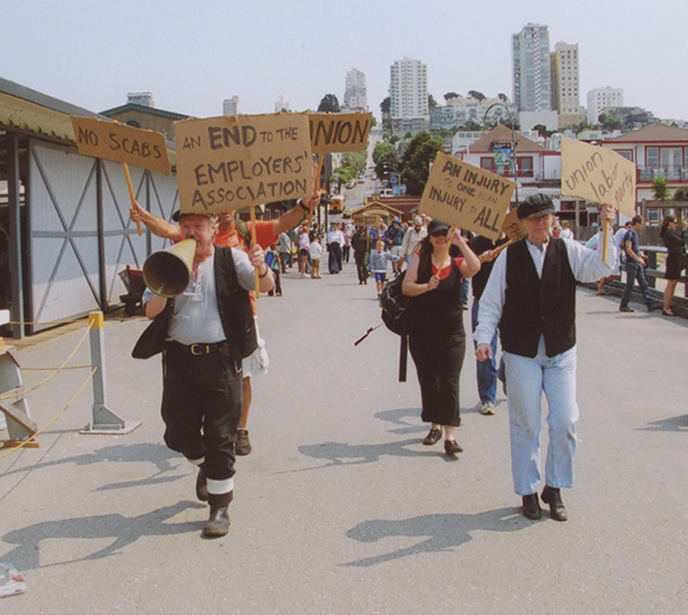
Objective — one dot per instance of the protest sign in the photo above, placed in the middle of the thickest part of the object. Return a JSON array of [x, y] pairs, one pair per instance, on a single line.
[[598, 174], [232, 162], [121, 143], [463, 195], [339, 132], [513, 227]]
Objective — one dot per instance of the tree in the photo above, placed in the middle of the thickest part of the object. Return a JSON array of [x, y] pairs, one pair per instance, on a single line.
[[432, 103], [542, 130], [681, 194], [419, 154], [503, 97], [386, 105], [329, 104], [477, 95], [609, 122], [449, 95], [660, 187], [385, 157], [355, 160]]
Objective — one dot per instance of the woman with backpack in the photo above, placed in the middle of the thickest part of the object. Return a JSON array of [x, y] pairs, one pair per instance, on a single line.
[[437, 339]]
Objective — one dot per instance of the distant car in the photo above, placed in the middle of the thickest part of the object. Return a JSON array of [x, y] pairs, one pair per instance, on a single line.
[[361, 181], [350, 184]]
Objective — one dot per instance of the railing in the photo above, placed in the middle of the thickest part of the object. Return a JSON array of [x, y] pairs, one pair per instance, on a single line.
[[671, 173]]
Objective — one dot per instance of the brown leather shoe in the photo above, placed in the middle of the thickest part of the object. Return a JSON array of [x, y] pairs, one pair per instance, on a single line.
[[243, 446], [552, 496]]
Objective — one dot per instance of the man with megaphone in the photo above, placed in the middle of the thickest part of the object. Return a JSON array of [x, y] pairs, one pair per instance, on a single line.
[[210, 331], [235, 233]]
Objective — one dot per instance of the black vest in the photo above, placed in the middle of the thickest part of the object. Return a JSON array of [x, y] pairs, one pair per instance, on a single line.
[[535, 306], [234, 305]]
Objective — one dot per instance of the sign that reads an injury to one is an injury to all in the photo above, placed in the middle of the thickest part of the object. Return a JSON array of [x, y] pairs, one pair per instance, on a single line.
[[121, 143], [463, 195], [232, 162], [598, 174], [339, 132]]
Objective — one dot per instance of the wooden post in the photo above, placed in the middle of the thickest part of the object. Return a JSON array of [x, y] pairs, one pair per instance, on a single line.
[[132, 197], [253, 243]]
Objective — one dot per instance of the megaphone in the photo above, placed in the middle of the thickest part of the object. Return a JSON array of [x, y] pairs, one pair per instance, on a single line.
[[167, 272]]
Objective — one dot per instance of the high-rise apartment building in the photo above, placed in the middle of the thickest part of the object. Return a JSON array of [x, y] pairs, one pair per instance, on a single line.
[[531, 68], [141, 98], [408, 89], [281, 105], [231, 106], [565, 85], [355, 91], [600, 98]]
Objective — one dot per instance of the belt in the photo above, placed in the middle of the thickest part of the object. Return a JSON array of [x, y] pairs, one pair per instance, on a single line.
[[198, 350]]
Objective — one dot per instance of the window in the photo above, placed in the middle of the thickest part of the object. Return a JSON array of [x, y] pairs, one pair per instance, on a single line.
[[671, 157], [652, 157], [525, 166], [627, 154]]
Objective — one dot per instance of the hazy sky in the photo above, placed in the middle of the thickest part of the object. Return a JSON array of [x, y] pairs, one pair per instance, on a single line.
[[193, 55]]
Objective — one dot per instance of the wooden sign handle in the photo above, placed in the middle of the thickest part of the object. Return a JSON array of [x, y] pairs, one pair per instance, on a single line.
[[254, 242], [125, 166], [316, 185], [605, 240]]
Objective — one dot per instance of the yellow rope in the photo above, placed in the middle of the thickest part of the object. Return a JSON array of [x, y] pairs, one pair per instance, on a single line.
[[57, 371], [47, 369], [48, 322], [49, 423]]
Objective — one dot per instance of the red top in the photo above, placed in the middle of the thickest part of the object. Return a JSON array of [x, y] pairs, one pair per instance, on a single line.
[[445, 272]]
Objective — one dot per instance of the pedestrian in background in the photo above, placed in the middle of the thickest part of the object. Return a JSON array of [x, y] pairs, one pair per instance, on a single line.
[[676, 246], [635, 268]]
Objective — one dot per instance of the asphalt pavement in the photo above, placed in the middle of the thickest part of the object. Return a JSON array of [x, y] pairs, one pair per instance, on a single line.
[[340, 509]]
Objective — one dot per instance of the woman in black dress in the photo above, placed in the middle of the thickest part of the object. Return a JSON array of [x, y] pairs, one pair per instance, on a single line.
[[437, 338], [675, 245]]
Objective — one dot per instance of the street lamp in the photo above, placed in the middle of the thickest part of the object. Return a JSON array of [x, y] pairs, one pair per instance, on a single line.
[[387, 165], [514, 164]]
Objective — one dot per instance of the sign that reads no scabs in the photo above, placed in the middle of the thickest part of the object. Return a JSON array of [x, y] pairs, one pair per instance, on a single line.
[[463, 195], [339, 132], [598, 174], [231, 162], [121, 143]]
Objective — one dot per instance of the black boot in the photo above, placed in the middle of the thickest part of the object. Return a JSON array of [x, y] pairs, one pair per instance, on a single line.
[[202, 484], [557, 510], [218, 521], [531, 506]]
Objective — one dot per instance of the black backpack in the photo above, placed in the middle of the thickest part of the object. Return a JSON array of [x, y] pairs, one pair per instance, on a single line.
[[395, 305]]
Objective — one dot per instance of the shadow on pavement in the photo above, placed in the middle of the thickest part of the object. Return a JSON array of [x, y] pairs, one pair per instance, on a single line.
[[442, 532], [675, 423], [123, 531], [397, 417]]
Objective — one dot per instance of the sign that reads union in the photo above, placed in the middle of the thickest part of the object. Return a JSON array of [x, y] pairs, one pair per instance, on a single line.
[[463, 195], [339, 132], [232, 162]]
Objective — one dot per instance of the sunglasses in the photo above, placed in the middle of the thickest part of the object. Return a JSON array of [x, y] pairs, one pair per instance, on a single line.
[[442, 233]]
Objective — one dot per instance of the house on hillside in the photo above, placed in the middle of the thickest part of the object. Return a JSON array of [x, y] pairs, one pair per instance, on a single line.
[[656, 150]]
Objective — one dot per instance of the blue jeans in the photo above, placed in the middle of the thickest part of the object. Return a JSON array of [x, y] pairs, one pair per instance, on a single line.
[[635, 271], [485, 370], [528, 378]]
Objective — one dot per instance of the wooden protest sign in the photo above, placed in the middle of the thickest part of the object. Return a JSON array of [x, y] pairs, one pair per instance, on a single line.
[[513, 227], [232, 162], [598, 174], [461, 194], [339, 132], [121, 143]]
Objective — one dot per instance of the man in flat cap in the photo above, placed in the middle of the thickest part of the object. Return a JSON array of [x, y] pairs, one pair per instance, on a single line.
[[531, 297]]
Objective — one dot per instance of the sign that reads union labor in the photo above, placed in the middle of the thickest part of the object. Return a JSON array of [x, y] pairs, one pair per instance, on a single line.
[[339, 132], [597, 174], [461, 194], [232, 162], [121, 143]]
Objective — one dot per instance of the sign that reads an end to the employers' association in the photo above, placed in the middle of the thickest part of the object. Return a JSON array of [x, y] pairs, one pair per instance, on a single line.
[[232, 162]]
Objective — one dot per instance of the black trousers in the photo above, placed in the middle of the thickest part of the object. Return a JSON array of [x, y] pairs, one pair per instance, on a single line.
[[201, 407], [438, 365], [361, 259]]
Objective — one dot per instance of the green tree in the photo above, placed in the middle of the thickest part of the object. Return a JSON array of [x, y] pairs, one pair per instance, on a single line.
[[384, 157], [432, 103], [355, 160], [419, 154], [386, 105], [681, 194], [477, 95], [609, 122], [329, 104], [449, 95], [660, 187], [342, 175]]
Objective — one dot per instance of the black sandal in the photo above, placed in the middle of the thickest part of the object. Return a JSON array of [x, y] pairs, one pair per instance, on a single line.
[[433, 437], [451, 447]]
